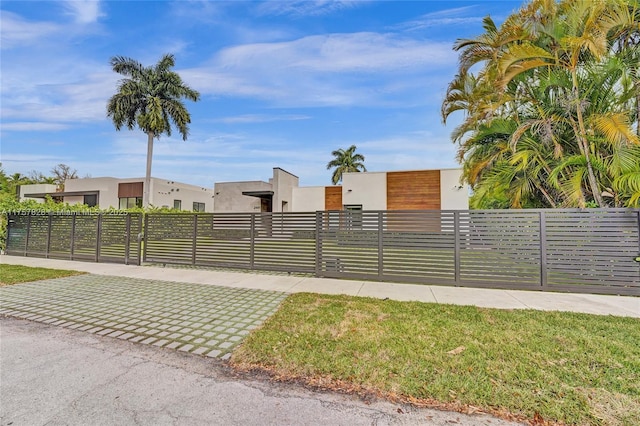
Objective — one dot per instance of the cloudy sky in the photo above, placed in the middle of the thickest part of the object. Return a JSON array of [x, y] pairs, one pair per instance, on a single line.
[[282, 83]]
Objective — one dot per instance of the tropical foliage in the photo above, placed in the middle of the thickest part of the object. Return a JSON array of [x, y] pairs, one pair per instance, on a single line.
[[345, 161], [551, 106], [150, 98]]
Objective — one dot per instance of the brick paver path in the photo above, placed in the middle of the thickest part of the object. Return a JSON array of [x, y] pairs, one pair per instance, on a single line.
[[197, 318]]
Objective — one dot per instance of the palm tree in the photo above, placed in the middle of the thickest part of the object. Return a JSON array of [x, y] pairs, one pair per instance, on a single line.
[[549, 117], [151, 99], [345, 161]]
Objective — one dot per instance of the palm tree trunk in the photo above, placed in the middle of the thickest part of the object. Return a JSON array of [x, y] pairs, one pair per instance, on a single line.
[[582, 141], [147, 178]]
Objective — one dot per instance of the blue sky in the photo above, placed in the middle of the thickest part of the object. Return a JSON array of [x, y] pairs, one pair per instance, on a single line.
[[282, 83]]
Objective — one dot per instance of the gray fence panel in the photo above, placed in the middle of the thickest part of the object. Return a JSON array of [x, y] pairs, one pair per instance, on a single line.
[[89, 237], [500, 246], [563, 250], [593, 249]]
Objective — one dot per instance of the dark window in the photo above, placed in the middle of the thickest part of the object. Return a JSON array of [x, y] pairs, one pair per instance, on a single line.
[[177, 204], [198, 207], [91, 200], [130, 202]]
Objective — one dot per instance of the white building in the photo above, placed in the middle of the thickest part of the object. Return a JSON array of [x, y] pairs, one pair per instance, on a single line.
[[108, 192], [403, 190]]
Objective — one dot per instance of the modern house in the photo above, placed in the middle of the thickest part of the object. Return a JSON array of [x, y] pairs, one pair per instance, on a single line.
[[276, 195], [108, 192], [403, 190]]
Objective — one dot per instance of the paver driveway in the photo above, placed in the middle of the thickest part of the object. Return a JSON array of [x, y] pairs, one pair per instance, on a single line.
[[197, 318]]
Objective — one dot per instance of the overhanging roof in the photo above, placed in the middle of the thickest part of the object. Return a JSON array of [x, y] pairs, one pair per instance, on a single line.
[[259, 194], [60, 194]]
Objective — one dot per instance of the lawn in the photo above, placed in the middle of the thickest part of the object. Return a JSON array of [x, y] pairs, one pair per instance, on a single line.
[[14, 274], [523, 364]]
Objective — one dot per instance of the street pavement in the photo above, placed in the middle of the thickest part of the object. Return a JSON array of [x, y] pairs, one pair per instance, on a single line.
[[59, 376], [145, 345]]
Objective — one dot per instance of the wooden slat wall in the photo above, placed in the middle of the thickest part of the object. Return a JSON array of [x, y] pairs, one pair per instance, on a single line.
[[419, 190], [333, 197], [127, 190]]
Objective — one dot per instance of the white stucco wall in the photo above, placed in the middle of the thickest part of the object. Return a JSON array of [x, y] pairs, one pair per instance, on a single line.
[[229, 198], [283, 184], [308, 199], [107, 186], [38, 188], [368, 189], [164, 192], [453, 194]]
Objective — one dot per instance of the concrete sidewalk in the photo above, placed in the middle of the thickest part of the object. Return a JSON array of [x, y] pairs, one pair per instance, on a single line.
[[491, 298]]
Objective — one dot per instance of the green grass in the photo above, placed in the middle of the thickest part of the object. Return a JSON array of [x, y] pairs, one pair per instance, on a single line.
[[564, 367], [14, 274]]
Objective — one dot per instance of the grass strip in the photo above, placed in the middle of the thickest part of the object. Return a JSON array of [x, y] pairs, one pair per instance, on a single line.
[[14, 274], [549, 366]]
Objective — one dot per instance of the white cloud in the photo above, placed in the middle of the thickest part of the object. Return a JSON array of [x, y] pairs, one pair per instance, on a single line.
[[261, 118], [17, 31], [83, 11], [324, 70], [305, 7], [33, 126]]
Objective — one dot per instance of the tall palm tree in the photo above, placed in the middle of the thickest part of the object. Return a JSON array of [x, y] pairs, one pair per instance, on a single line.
[[345, 161], [151, 99]]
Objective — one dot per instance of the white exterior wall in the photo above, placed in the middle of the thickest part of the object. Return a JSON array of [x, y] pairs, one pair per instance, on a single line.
[[283, 184], [368, 189], [308, 199], [164, 193], [453, 194], [107, 186], [37, 188], [229, 198]]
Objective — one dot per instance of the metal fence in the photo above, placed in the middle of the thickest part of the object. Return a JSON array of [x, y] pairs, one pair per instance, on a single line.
[[592, 251], [104, 237]]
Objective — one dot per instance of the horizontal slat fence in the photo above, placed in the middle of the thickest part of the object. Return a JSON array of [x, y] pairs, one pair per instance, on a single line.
[[97, 237], [593, 251]]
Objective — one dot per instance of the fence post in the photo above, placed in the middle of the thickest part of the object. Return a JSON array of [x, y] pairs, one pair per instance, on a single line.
[[49, 220], [26, 237], [6, 241], [456, 246], [543, 249], [127, 238], [99, 233], [73, 235], [145, 233], [380, 246], [195, 239], [318, 243], [252, 240]]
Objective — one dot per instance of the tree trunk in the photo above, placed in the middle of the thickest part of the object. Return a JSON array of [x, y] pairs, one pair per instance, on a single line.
[[147, 178], [582, 141]]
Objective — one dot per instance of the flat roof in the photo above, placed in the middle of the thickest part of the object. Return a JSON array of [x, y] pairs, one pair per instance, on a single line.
[[259, 194], [60, 194]]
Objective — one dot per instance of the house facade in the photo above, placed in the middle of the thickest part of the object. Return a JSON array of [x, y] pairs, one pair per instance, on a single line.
[[403, 190], [276, 195], [108, 192]]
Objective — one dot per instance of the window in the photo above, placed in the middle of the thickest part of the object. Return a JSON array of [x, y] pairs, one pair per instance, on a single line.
[[198, 207], [91, 200], [130, 202], [177, 204]]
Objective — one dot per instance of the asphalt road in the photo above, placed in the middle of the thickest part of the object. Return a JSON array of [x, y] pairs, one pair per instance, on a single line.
[[59, 376]]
